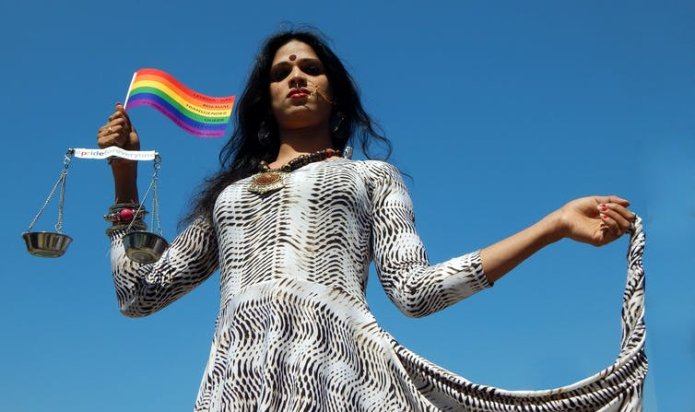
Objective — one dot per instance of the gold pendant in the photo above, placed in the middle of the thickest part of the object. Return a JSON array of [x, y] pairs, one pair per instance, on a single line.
[[265, 182]]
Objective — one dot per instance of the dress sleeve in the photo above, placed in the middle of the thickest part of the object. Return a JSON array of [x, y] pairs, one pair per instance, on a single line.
[[415, 286], [143, 289]]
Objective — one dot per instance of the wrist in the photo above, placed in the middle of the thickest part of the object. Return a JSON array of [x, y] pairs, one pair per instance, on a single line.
[[125, 182], [125, 172], [122, 165], [554, 227]]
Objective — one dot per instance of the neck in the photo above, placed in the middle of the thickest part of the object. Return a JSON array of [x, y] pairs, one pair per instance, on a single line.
[[297, 142]]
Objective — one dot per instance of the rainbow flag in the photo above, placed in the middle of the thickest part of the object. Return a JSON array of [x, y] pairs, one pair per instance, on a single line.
[[194, 112]]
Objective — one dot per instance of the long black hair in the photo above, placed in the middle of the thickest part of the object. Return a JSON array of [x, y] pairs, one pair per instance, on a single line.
[[241, 155]]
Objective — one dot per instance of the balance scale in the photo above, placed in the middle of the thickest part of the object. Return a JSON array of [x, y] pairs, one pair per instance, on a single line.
[[140, 246]]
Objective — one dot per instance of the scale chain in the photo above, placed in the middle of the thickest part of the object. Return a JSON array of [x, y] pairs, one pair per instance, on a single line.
[[155, 199], [61, 203], [155, 196], [61, 182]]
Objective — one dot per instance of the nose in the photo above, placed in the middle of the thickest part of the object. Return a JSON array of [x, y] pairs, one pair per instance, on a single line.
[[297, 78]]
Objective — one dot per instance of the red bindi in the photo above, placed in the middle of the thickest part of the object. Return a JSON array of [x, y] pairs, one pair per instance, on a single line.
[[293, 57]]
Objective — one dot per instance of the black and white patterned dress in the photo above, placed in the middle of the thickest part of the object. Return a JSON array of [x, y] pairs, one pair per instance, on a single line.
[[294, 332]]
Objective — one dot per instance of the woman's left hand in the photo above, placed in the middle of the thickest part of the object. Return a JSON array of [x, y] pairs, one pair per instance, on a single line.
[[596, 220]]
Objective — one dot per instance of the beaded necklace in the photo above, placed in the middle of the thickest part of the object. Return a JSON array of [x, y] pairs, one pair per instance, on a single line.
[[268, 180]]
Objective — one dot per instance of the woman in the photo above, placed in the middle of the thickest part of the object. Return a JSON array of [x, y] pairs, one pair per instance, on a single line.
[[293, 246]]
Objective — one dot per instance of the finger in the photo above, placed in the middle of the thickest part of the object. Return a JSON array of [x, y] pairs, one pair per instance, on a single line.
[[108, 136], [613, 223], [111, 128], [116, 125], [111, 136], [623, 224], [116, 128], [119, 121], [626, 213], [124, 114], [607, 235], [612, 199], [104, 131], [618, 200], [109, 140], [119, 113], [115, 115]]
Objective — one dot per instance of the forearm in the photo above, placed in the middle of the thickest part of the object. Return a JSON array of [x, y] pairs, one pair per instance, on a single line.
[[143, 289], [125, 174], [505, 255]]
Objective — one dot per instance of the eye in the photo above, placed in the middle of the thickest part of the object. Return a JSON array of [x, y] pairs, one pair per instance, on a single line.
[[279, 73], [313, 69]]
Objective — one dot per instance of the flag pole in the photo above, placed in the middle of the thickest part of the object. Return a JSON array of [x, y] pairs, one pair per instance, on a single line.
[[125, 103]]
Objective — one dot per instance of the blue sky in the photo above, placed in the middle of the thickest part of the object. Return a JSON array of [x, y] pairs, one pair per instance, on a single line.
[[501, 111]]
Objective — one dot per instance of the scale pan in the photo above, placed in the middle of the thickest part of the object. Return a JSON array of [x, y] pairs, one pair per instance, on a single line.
[[46, 244], [144, 247]]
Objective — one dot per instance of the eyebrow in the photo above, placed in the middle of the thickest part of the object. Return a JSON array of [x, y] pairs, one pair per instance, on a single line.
[[303, 60]]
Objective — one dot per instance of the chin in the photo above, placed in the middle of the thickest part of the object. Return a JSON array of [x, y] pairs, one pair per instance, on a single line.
[[301, 120]]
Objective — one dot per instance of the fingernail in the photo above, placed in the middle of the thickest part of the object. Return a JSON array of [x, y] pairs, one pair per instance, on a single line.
[[603, 216], [604, 207]]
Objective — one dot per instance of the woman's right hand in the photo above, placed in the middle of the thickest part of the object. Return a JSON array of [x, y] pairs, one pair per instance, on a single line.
[[118, 131]]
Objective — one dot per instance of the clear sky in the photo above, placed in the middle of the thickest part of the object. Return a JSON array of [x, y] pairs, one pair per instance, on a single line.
[[501, 111]]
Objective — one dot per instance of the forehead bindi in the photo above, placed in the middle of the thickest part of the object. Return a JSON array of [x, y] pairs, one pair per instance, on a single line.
[[293, 51]]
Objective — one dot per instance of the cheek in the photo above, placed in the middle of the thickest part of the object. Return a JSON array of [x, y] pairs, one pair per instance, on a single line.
[[325, 85], [329, 90], [275, 96], [324, 88]]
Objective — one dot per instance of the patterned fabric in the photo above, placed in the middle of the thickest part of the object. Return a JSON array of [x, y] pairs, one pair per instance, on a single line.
[[294, 332]]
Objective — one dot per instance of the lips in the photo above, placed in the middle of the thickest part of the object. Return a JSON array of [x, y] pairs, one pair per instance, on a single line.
[[298, 93]]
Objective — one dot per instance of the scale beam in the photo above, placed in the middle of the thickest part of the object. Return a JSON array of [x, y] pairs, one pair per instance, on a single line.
[[113, 151]]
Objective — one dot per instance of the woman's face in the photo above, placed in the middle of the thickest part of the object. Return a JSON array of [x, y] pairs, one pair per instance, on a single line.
[[299, 91]]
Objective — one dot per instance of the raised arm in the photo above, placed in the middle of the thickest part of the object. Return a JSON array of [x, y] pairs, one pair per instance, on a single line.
[[189, 260], [118, 131]]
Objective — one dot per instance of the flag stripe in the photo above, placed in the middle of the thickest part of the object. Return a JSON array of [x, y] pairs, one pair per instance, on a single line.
[[191, 126], [175, 101], [204, 109], [159, 103], [162, 76]]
